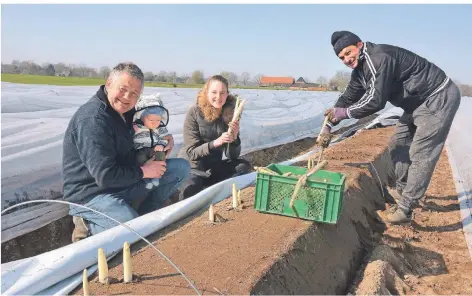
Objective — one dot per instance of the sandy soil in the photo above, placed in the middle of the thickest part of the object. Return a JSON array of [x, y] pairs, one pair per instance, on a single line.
[[431, 255], [254, 253]]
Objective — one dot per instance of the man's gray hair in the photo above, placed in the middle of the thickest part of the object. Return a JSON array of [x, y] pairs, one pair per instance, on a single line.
[[130, 68]]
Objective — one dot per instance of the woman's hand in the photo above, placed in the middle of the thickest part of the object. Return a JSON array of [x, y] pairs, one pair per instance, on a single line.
[[234, 126], [223, 139]]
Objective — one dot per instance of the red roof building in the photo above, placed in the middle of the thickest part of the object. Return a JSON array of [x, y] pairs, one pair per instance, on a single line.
[[276, 81]]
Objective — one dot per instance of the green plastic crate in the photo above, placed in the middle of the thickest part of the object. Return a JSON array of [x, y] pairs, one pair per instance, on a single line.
[[320, 200]]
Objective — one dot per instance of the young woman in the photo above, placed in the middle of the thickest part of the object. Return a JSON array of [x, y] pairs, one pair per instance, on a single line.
[[206, 138]]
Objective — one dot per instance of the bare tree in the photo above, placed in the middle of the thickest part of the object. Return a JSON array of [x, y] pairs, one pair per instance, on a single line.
[[256, 79], [322, 80], [104, 71], [230, 76], [340, 80], [74, 71], [31, 68], [244, 78], [184, 78], [92, 73], [82, 69], [197, 77], [49, 70], [161, 76], [148, 76], [171, 77], [60, 68], [10, 69]]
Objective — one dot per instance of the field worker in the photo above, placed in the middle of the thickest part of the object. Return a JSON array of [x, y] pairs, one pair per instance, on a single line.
[[99, 161], [206, 138], [428, 97]]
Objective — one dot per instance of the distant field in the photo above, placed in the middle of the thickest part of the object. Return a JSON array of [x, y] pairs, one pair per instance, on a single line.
[[58, 80]]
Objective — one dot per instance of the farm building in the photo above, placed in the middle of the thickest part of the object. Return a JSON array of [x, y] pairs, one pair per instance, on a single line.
[[302, 84], [289, 82], [276, 81]]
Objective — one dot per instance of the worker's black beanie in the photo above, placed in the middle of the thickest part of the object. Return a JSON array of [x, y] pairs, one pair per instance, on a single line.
[[342, 39]]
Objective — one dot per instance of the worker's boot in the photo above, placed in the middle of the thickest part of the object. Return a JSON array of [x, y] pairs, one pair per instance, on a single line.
[[81, 230], [397, 215]]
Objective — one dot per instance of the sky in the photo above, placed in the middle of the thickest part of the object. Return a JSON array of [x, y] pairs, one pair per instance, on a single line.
[[275, 40]]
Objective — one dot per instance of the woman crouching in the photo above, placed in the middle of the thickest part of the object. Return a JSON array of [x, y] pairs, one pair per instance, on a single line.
[[206, 137]]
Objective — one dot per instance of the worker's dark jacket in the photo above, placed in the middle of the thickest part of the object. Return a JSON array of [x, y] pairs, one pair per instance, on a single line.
[[98, 154], [389, 73], [202, 127]]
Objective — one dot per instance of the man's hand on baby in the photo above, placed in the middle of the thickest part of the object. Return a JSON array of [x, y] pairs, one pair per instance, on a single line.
[[153, 169]]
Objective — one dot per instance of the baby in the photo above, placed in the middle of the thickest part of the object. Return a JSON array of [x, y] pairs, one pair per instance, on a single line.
[[149, 124]]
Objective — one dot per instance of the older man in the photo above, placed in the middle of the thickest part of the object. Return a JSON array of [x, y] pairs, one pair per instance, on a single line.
[[429, 98], [99, 162]]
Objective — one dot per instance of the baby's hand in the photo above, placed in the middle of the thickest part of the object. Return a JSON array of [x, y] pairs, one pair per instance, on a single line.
[[159, 148]]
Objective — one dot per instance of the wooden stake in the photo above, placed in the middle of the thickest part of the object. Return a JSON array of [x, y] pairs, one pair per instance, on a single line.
[[85, 284], [102, 267], [235, 197], [211, 213], [127, 267], [239, 197]]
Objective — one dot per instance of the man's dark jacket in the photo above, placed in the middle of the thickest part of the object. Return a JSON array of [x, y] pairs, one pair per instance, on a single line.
[[389, 73], [98, 154]]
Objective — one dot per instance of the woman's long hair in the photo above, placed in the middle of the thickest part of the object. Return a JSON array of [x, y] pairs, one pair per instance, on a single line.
[[210, 113]]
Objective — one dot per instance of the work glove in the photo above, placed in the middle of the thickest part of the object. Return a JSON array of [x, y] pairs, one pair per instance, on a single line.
[[335, 115], [324, 139]]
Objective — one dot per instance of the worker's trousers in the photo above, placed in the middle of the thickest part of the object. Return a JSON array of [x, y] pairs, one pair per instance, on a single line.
[[417, 144]]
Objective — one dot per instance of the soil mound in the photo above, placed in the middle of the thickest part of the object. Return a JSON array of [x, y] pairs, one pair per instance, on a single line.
[[254, 253]]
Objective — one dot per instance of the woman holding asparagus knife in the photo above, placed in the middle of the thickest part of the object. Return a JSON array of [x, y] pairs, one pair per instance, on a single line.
[[211, 128]]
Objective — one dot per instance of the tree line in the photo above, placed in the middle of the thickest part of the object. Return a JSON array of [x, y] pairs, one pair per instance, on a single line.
[[338, 82]]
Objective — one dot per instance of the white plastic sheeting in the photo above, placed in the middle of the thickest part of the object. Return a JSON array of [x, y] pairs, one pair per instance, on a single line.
[[31, 141], [459, 149], [34, 118]]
